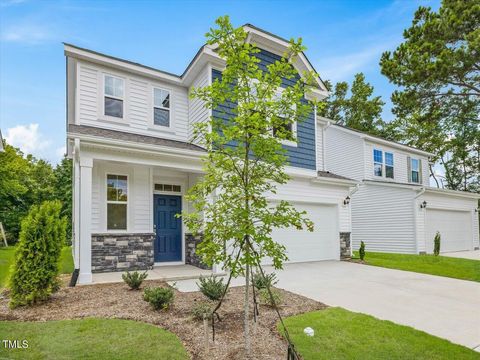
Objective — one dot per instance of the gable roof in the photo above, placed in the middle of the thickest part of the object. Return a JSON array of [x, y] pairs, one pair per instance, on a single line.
[[373, 138], [204, 54]]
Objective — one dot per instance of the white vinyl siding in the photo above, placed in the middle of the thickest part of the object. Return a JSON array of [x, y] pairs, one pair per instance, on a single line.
[[382, 217], [137, 107], [345, 153], [197, 110], [446, 203]]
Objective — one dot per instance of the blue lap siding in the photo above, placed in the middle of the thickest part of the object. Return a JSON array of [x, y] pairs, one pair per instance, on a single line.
[[302, 156]]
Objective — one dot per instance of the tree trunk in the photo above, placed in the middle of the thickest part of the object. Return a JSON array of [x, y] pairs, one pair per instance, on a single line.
[[246, 308]]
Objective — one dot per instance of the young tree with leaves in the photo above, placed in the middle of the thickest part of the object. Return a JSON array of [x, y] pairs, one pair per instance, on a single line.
[[361, 111], [245, 159], [438, 70]]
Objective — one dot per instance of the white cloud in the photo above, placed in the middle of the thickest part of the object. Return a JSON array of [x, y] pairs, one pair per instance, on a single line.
[[6, 3], [28, 138], [27, 34], [343, 67], [60, 152]]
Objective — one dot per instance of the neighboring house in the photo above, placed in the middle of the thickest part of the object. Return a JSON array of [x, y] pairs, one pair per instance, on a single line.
[[393, 208], [129, 132]]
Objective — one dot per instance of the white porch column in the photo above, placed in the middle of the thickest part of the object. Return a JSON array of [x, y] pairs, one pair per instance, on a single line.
[[85, 275]]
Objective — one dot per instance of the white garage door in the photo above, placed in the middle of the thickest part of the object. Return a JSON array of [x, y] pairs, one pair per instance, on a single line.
[[455, 228], [321, 244]]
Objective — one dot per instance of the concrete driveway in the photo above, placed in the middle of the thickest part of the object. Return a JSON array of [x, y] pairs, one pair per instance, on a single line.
[[472, 254], [448, 308]]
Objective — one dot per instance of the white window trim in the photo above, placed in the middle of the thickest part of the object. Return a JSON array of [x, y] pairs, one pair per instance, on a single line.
[[152, 108], [385, 164], [291, 143], [376, 162], [109, 117], [412, 170], [116, 202]]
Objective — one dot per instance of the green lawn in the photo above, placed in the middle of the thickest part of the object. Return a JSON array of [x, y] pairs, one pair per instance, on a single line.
[[6, 259], [341, 334], [91, 339], [464, 269]]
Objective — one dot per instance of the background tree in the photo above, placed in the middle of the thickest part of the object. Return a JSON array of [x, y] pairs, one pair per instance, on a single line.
[[438, 70], [27, 181], [63, 192], [361, 111], [245, 159]]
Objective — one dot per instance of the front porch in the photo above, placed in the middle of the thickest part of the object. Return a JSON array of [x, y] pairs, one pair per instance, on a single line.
[[162, 273], [125, 207]]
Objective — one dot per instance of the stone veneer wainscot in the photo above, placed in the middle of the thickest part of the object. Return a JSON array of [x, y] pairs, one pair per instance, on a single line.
[[122, 252], [345, 246]]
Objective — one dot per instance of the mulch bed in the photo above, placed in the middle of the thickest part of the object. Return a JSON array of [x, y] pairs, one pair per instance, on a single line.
[[117, 301]]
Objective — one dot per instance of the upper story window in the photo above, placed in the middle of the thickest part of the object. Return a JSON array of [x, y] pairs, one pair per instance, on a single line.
[[383, 166], [117, 201], [287, 129], [377, 162], [161, 107], [389, 169], [415, 170], [114, 91]]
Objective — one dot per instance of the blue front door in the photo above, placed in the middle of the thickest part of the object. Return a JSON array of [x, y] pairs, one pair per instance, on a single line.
[[168, 240]]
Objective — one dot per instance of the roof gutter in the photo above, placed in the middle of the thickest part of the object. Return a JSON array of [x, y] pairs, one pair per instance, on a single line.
[[420, 193]]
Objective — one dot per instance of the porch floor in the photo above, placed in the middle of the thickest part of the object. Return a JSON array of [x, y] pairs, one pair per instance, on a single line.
[[165, 273]]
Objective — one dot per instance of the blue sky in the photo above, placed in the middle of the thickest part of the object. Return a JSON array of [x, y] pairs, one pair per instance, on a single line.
[[342, 37]]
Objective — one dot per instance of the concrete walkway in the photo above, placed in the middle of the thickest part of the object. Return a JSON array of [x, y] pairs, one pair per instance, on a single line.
[[472, 254], [165, 273], [448, 308]]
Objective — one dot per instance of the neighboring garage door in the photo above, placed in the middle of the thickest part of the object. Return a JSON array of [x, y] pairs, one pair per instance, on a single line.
[[455, 228], [321, 244]]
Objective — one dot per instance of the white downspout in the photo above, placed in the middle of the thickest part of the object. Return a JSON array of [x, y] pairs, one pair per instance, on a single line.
[[350, 193], [420, 193], [324, 146]]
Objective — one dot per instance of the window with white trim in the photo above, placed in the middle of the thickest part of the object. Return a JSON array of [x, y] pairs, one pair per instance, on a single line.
[[161, 107], [377, 162], [389, 169], [415, 170], [117, 202], [287, 129], [113, 96]]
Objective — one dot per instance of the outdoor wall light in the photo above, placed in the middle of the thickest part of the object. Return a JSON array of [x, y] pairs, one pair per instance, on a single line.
[[423, 205], [346, 201]]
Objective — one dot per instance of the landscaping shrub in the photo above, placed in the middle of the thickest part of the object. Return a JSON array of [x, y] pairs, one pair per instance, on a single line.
[[134, 279], [266, 299], [436, 244], [159, 297], [361, 251], [35, 271], [202, 309], [212, 287], [262, 282]]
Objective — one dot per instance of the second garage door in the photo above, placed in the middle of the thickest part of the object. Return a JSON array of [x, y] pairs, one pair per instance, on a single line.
[[455, 228], [321, 244]]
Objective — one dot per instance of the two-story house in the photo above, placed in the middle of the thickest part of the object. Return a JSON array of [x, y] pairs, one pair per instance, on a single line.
[[129, 133], [393, 207]]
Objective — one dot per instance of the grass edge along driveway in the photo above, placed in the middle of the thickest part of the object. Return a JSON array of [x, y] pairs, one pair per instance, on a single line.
[[457, 268], [342, 334], [91, 338]]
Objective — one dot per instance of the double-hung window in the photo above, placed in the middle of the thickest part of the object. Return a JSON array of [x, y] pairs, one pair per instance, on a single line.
[[415, 170], [161, 107], [389, 169], [113, 99], [117, 201], [286, 129], [377, 162]]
